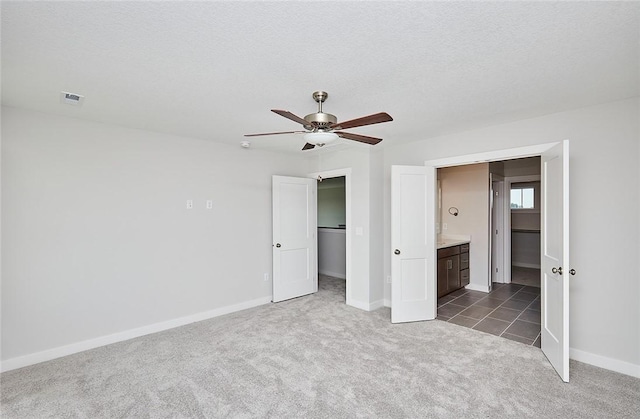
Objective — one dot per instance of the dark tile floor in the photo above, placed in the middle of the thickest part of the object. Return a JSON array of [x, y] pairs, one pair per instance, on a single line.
[[525, 276], [509, 310]]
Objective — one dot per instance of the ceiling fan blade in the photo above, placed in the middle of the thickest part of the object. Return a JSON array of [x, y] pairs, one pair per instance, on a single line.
[[358, 137], [376, 118], [291, 116], [308, 146], [274, 133]]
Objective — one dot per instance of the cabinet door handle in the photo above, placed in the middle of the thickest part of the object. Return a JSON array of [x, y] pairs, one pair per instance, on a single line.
[[397, 251], [557, 270], [449, 264]]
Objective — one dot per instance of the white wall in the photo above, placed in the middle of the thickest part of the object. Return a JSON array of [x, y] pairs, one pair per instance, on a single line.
[[376, 227], [604, 155], [467, 188], [96, 238], [525, 249], [331, 206], [521, 167], [332, 252]]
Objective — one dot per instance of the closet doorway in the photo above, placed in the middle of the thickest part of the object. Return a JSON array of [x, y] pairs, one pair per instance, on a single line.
[[334, 230]]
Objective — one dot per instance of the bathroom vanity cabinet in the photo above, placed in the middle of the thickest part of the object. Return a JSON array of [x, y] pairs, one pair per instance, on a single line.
[[453, 268]]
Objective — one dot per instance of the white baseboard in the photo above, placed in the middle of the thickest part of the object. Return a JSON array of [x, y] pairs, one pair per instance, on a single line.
[[365, 306], [387, 303], [526, 265], [49, 354], [611, 364], [475, 287], [358, 304], [334, 274], [376, 305]]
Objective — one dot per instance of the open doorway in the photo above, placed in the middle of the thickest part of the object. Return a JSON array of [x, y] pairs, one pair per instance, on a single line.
[[501, 198], [524, 194], [417, 215], [334, 190], [332, 238]]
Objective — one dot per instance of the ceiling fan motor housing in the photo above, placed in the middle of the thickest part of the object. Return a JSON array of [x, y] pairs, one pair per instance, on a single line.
[[320, 120]]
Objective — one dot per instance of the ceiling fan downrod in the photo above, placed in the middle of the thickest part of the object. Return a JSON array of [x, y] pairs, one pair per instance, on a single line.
[[320, 96], [320, 121]]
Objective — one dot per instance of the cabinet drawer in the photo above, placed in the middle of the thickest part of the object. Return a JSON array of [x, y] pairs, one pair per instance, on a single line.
[[464, 277], [464, 248], [448, 251], [464, 260]]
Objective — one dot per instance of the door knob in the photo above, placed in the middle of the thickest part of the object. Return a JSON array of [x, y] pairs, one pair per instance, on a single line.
[[557, 270], [572, 271], [278, 245], [397, 252]]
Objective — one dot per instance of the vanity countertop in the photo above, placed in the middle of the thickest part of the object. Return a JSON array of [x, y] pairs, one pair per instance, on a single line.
[[442, 243]]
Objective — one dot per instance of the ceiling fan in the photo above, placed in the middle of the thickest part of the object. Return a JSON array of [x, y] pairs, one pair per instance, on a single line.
[[322, 128]]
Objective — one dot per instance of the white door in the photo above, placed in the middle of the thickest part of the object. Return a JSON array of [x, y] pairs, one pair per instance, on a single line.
[[413, 265], [295, 266], [555, 257]]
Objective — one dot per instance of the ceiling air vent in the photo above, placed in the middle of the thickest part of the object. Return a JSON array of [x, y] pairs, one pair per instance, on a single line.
[[71, 98]]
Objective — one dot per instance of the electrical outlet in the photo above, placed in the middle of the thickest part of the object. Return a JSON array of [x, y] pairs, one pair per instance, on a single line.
[[209, 204], [444, 226], [189, 203], [266, 276], [389, 279]]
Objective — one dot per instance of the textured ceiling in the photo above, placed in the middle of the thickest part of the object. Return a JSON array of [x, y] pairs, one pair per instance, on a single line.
[[214, 70]]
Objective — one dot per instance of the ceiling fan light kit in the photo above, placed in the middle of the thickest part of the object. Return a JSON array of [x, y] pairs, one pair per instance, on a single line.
[[320, 138], [321, 127]]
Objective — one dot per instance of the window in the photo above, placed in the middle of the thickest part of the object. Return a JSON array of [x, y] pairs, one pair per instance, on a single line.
[[522, 198]]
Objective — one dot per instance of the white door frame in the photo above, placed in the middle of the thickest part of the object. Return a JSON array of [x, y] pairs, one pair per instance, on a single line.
[[497, 215], [346, 172], [487, 157]]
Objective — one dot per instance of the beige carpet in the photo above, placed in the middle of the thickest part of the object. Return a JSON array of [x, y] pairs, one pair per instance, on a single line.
[[315, 357]]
